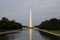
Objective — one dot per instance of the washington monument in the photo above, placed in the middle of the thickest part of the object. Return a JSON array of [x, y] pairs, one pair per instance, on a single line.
[[30, 17], [30, 25]]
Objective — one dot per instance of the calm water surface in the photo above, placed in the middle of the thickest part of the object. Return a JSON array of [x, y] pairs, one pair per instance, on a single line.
[[24, 35]]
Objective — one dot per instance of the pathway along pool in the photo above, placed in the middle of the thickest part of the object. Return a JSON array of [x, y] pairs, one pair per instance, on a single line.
[[24, 35]]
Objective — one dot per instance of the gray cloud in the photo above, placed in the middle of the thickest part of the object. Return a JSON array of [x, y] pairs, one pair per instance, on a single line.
[[19, 10]]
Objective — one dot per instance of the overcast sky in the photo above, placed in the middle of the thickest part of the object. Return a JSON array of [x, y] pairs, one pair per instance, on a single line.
[[19, 10]]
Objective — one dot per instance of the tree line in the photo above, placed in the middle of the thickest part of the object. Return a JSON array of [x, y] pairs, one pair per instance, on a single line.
[[6, 24], [52, 24]]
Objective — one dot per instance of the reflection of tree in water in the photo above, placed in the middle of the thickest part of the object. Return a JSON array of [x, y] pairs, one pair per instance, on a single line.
[[10, 36], [3, 37], [49, 36]]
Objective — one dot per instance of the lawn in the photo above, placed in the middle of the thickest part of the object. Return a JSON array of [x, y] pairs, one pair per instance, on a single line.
[[54, 31]]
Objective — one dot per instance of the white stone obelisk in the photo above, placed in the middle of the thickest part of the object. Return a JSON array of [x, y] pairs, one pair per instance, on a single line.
[[30, 24], [30, 17]]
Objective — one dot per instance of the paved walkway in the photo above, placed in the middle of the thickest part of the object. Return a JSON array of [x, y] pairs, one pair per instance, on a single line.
[[49, 32], [8, 31]]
